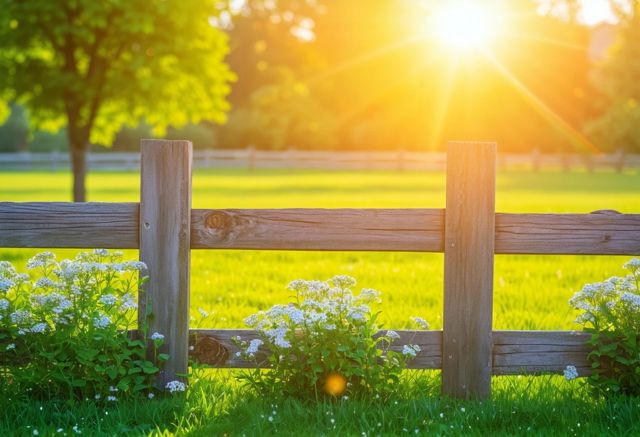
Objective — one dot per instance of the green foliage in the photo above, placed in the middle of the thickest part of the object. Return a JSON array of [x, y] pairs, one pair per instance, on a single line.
[[98, 65], [611, 313], [63, 332], [323, 344], [618, 127], [13, 133]]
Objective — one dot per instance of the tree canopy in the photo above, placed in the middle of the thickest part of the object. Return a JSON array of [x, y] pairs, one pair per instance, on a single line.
[[96, 66]]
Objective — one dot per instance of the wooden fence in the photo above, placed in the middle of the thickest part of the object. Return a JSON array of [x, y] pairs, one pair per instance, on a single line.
[[250, 158], [469, 232]]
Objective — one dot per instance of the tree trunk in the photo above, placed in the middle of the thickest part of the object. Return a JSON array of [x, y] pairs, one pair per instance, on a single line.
[[78, 152]]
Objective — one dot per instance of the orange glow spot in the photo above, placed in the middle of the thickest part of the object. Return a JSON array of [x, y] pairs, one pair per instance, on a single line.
[[335, 384]]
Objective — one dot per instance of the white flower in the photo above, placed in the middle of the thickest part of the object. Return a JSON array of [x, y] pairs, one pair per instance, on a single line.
[[40, 260], [113, 389], [253, 346], [6, 284], [35, 432], [370, 295], [20, 316], [39, 328], [420, 322], [128, 302], [11, 346], [112, 398], [570, 373], [203, 313], [4, 303], [44, 282], [343, 281], [631, 298], [410, 350], [135, 265], [151, 396], [101, 252], [108, 299], [102, 321], [174, 386], [393, 335], [633, 265], [157, 336]]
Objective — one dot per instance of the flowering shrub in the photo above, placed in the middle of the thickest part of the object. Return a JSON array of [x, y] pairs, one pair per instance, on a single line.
[[610, 311], [323, 344], [63, 328]]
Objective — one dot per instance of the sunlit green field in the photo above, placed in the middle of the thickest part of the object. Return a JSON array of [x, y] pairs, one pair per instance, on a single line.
[[531, 292]]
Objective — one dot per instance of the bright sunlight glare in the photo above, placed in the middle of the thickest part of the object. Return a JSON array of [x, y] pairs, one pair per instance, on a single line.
[[464, 25]]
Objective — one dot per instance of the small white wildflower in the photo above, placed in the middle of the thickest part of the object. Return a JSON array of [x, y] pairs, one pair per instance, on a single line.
[[111, 398], [44, 282], [101, 252], [632, 265], [11, 346], [343, 281], [97, 396], [40, 260], [39, 328], [5, 284], [203, 313], [102, 321], [570, 373], [631, 298], [128, 302], [270, 418], [4, 303], [175, 386], [113, 389], [253, 346], [157, 336], [410, 350], [393, 335], [35, 432], [420, 322], [151, 396], [20, 316], [108, 299]]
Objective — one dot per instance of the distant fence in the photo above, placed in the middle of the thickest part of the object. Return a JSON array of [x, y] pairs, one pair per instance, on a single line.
[[250, 158], [469, 232]]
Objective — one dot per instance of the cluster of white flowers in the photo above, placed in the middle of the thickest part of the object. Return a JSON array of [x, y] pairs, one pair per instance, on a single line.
[[570, 373], [410, 350], [108, 299], [615, 298], [252, 349], [102, 321], [175, 386], [422, 323], [157, 336]]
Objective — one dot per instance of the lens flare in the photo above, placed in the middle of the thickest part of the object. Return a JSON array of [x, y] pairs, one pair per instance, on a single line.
[[335, 384]]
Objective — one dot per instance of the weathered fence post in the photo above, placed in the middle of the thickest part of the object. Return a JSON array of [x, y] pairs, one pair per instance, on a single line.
[[165, 227], [468, 270]]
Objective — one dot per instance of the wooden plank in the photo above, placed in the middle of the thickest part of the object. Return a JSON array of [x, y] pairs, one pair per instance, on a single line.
[[115, 225], [468, 270], [165, 209], [515, 352], [319, 229], [606, 233], [73, 225]]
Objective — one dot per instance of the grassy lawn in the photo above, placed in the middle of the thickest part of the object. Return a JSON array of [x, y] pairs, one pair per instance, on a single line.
[[531, 292]]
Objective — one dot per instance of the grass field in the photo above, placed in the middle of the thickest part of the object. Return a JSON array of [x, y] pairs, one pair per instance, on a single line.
[[531, 292]]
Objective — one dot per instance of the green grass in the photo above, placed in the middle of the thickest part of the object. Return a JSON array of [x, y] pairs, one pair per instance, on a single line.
[[531, 292]]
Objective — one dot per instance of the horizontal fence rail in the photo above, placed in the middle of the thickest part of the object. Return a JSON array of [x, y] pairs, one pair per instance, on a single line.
[[116, 225], [514, 352], [250, 158]]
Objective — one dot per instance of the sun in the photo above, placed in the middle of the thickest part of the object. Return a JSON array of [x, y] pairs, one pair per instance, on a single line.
[[464, 25]]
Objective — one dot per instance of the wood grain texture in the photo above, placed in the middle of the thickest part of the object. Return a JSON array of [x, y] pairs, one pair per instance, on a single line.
[[519, 352], [165, 219], [319, 229], [605, 233], [515, 352], [468, 270], [115, 225], [74, 225]]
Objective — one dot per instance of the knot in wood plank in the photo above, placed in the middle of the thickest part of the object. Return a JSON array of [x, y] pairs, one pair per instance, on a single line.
[[208, 350]]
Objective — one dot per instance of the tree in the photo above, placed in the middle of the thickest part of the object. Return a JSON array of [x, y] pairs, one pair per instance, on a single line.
[[618, 126], [94, 66]]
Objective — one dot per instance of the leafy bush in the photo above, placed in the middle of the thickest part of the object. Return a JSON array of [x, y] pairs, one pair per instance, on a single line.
[[63, 332], [323, 344], [610, 311]]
